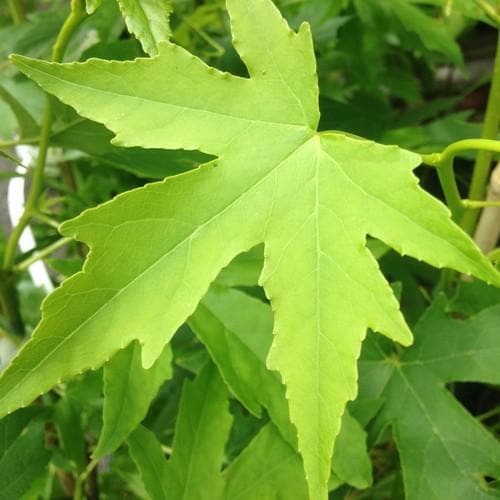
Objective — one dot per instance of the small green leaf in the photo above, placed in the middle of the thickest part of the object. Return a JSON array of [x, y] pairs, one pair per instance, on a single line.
[[12, 425], [148, 20], [471, 298], [202, 428], [432, 32], [267, 469], [237, 331], [70, 432], [445, 452], [28, 127], [128, 392], [147, 454], [351, 463], [23, 462]]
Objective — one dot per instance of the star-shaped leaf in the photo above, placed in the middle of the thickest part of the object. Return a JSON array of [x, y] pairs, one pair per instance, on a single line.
[[311, 198], [445, 452]]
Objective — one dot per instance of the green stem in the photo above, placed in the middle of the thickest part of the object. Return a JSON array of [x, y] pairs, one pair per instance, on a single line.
[[17, 142], [22, 266], [80, 480], [483, 161], [46, 220], [219, 50], [16, 11], [489, 10], [473, 204], [73, 20], [7, 290], [444, 163], [35, 190], [10, 303], [491, 413], [14, 159]]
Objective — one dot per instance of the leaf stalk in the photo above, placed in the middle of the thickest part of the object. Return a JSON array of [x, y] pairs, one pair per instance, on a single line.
[[444, 163]]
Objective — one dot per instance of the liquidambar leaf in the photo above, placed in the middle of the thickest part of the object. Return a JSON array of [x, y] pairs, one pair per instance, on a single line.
[[445, 452], [312, 198]]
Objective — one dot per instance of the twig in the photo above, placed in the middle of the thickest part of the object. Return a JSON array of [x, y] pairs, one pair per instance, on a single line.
[[22, 266]]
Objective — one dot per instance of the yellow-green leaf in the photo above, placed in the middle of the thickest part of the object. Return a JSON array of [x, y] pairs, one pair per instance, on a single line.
[[311, 198]]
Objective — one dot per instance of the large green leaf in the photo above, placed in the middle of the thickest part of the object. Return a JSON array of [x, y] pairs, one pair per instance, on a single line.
[[311, 197], [128, 392], [445, 452]]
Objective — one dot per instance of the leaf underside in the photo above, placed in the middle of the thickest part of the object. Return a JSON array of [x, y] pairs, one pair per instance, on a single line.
[[311, 198]]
